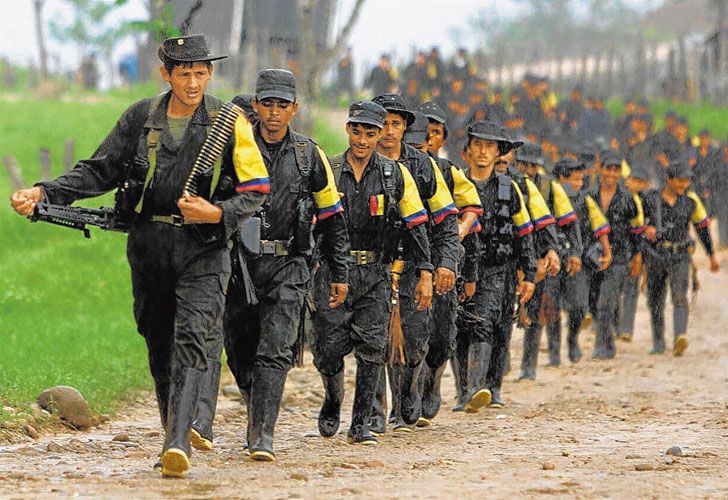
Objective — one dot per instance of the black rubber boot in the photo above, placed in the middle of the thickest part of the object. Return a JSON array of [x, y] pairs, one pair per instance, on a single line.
[[161, 387], [183, 394], [394, 376], [265, 402], [478, 362], [367, 376], [459, 363], [553, 333], [658, 342], [330, 414], [201, 434], [531, 341], [431, 397], [604, 342], [410, 399], [378, 419], [575, 319]]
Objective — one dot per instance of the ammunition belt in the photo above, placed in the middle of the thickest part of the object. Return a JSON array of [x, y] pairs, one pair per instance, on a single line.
[[675, 246]]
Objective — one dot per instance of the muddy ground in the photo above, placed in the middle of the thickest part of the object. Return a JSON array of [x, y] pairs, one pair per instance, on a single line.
[[594, 429]]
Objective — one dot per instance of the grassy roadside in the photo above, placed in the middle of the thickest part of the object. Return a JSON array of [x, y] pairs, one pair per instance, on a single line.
[[65, 302]]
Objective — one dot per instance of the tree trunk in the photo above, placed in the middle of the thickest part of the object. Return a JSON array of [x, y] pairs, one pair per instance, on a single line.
[[40, 37]]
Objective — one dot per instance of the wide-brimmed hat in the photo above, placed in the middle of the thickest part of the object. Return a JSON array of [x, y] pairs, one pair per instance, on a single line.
[[186, 49], [435, 113], [493, 132], [530, 153], [394, 103]]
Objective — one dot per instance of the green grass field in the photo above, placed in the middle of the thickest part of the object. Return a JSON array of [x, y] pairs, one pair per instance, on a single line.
[[65, 301]]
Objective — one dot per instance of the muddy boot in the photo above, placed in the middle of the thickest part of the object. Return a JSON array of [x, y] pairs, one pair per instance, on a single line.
[[459, 363], [575, 319], [478, 362], [681, 345], [431, 398], [377, 419], [161, 387], [495, 398], [531, 340], [553, 333], [184, 392], [330, 414], [367, 376], [201, 434], [265, 402]]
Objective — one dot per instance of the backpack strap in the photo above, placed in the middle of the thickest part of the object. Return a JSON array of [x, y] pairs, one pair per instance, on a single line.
[[337, 162], [301, 149], [152, 143], [504, 187]]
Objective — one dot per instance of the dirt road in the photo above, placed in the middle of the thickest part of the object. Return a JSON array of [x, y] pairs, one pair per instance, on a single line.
[[595, 429]]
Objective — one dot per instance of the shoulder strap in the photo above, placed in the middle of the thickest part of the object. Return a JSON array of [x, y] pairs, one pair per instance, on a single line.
[[301, 148], [152, 143], [658, 212], [504, 187]]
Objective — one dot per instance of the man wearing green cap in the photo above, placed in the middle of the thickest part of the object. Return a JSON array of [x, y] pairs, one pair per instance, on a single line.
[[178, 242], [668, 215]]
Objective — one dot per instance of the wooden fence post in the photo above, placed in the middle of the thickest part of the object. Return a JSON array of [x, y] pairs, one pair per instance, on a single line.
[[69, 146], [16, 179], [45, 164]]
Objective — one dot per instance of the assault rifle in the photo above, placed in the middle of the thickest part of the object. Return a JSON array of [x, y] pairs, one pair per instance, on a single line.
[[79, 217]]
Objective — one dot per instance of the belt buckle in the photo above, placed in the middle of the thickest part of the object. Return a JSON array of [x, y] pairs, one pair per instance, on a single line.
[[279, 248], [363, 258], [177, 220]]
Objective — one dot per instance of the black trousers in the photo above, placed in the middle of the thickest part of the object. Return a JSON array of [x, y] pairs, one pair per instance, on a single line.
[[264, 335], [443, 332], [675, 270], [179, 288], [415, 324], [358, 325]]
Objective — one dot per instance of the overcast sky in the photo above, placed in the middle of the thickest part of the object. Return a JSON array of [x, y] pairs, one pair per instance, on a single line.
[[384, 25]]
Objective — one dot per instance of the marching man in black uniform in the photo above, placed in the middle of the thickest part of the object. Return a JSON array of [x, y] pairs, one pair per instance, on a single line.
[[505, 239], [668, 215], [380, 199], [259, 338], [178, 244]]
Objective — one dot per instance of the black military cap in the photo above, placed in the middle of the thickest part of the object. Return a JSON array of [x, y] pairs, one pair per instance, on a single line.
[[493, 132], [638, 172], [276, 83], [670, 114], [679, 169], [643, 103], [611, 159], [187, 49], [394, 103], [530, 153], [704, 133], [419, 131], [367, 112], [682, 120], [565, 166]]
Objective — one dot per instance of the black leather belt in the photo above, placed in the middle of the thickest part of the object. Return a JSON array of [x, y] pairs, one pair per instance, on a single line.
[[172, 220], [363, 257], [278, 248]]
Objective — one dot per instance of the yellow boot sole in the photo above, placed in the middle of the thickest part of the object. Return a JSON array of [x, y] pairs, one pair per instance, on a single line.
[[198, 442], [681, 345], [175, 463], [350, 440], [262, 456], [479, 400], [423, 422]]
